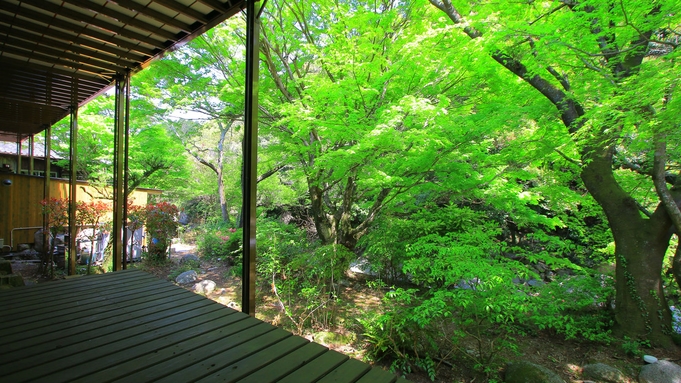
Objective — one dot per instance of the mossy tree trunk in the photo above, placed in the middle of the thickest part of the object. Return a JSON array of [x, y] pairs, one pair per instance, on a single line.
[[641, 242]]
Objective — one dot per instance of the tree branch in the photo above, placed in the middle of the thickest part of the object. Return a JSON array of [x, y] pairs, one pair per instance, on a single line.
[[271, 172], [568, 159]]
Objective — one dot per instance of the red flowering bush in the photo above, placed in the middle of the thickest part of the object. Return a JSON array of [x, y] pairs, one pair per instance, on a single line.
[[161, 221], [57, 211], [89, 219], [137, 216]]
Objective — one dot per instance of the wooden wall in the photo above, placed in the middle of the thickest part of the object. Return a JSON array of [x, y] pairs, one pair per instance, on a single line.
[[20, 203]]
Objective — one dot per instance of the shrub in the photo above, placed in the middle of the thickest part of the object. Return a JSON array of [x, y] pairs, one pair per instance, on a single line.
[[467, 304], [302, 274], [222, 243], [161, 220], [90, 215], [575, 307]]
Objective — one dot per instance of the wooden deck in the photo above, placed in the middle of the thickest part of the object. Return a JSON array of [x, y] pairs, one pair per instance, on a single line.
[[129, 326]]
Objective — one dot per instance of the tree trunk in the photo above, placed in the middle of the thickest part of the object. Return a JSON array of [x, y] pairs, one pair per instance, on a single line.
[[641, 310], [220, 170], [223, 198], [325, 228]]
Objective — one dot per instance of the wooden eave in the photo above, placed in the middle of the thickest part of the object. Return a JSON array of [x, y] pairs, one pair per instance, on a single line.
[[55, 54]]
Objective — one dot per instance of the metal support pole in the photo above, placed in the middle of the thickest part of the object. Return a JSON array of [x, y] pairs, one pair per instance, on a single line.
[[73, 191], [31, 151], [18, 153], [250, 157], [118, 200], [126, 171], [47, 248]]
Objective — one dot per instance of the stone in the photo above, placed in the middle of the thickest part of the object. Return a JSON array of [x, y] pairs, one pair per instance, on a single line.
[[27, 255], [661, 372], [39, 240], [204, 287], [11, 280], [526, 372], [5, 267], [541, 267], [601, 372], [187, 277], [362, 266], [190, 258], [183, 219]]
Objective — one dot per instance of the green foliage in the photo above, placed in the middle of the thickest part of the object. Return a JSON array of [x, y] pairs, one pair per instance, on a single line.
[[303, 275], [222, 243], [155, 158], [237, 269], [576, 307], [633, 347], [202, 209], [471, 304]]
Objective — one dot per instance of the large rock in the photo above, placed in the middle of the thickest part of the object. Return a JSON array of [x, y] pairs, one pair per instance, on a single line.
[[183, 219], [526, 372], [204, 287], [23, 247], [601, 372], [187, 277], [661, 372]]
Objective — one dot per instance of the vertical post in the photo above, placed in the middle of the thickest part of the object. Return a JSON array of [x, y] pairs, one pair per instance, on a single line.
[[47, 248], [31, 149], [118, 200], [126, 170], [18, 154], [48, 152], [250, 157], [73, 191]]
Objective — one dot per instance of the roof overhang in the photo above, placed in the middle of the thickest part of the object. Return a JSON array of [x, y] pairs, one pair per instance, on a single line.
[[58, 53]]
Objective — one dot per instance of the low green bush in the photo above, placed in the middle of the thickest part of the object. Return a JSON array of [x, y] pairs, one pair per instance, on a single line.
[[470, 305], [303, 275], [224, 244]]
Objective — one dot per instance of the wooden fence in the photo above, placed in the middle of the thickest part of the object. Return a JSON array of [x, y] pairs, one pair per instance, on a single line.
[[20, 209]]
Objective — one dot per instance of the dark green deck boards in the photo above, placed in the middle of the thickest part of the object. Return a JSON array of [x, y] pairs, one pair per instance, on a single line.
[[130, 327]]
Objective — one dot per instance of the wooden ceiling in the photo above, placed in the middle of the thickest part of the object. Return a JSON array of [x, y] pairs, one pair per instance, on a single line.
[[57, 53]]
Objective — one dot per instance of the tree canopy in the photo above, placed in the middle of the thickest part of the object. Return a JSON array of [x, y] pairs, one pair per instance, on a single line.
[[445, 141]]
